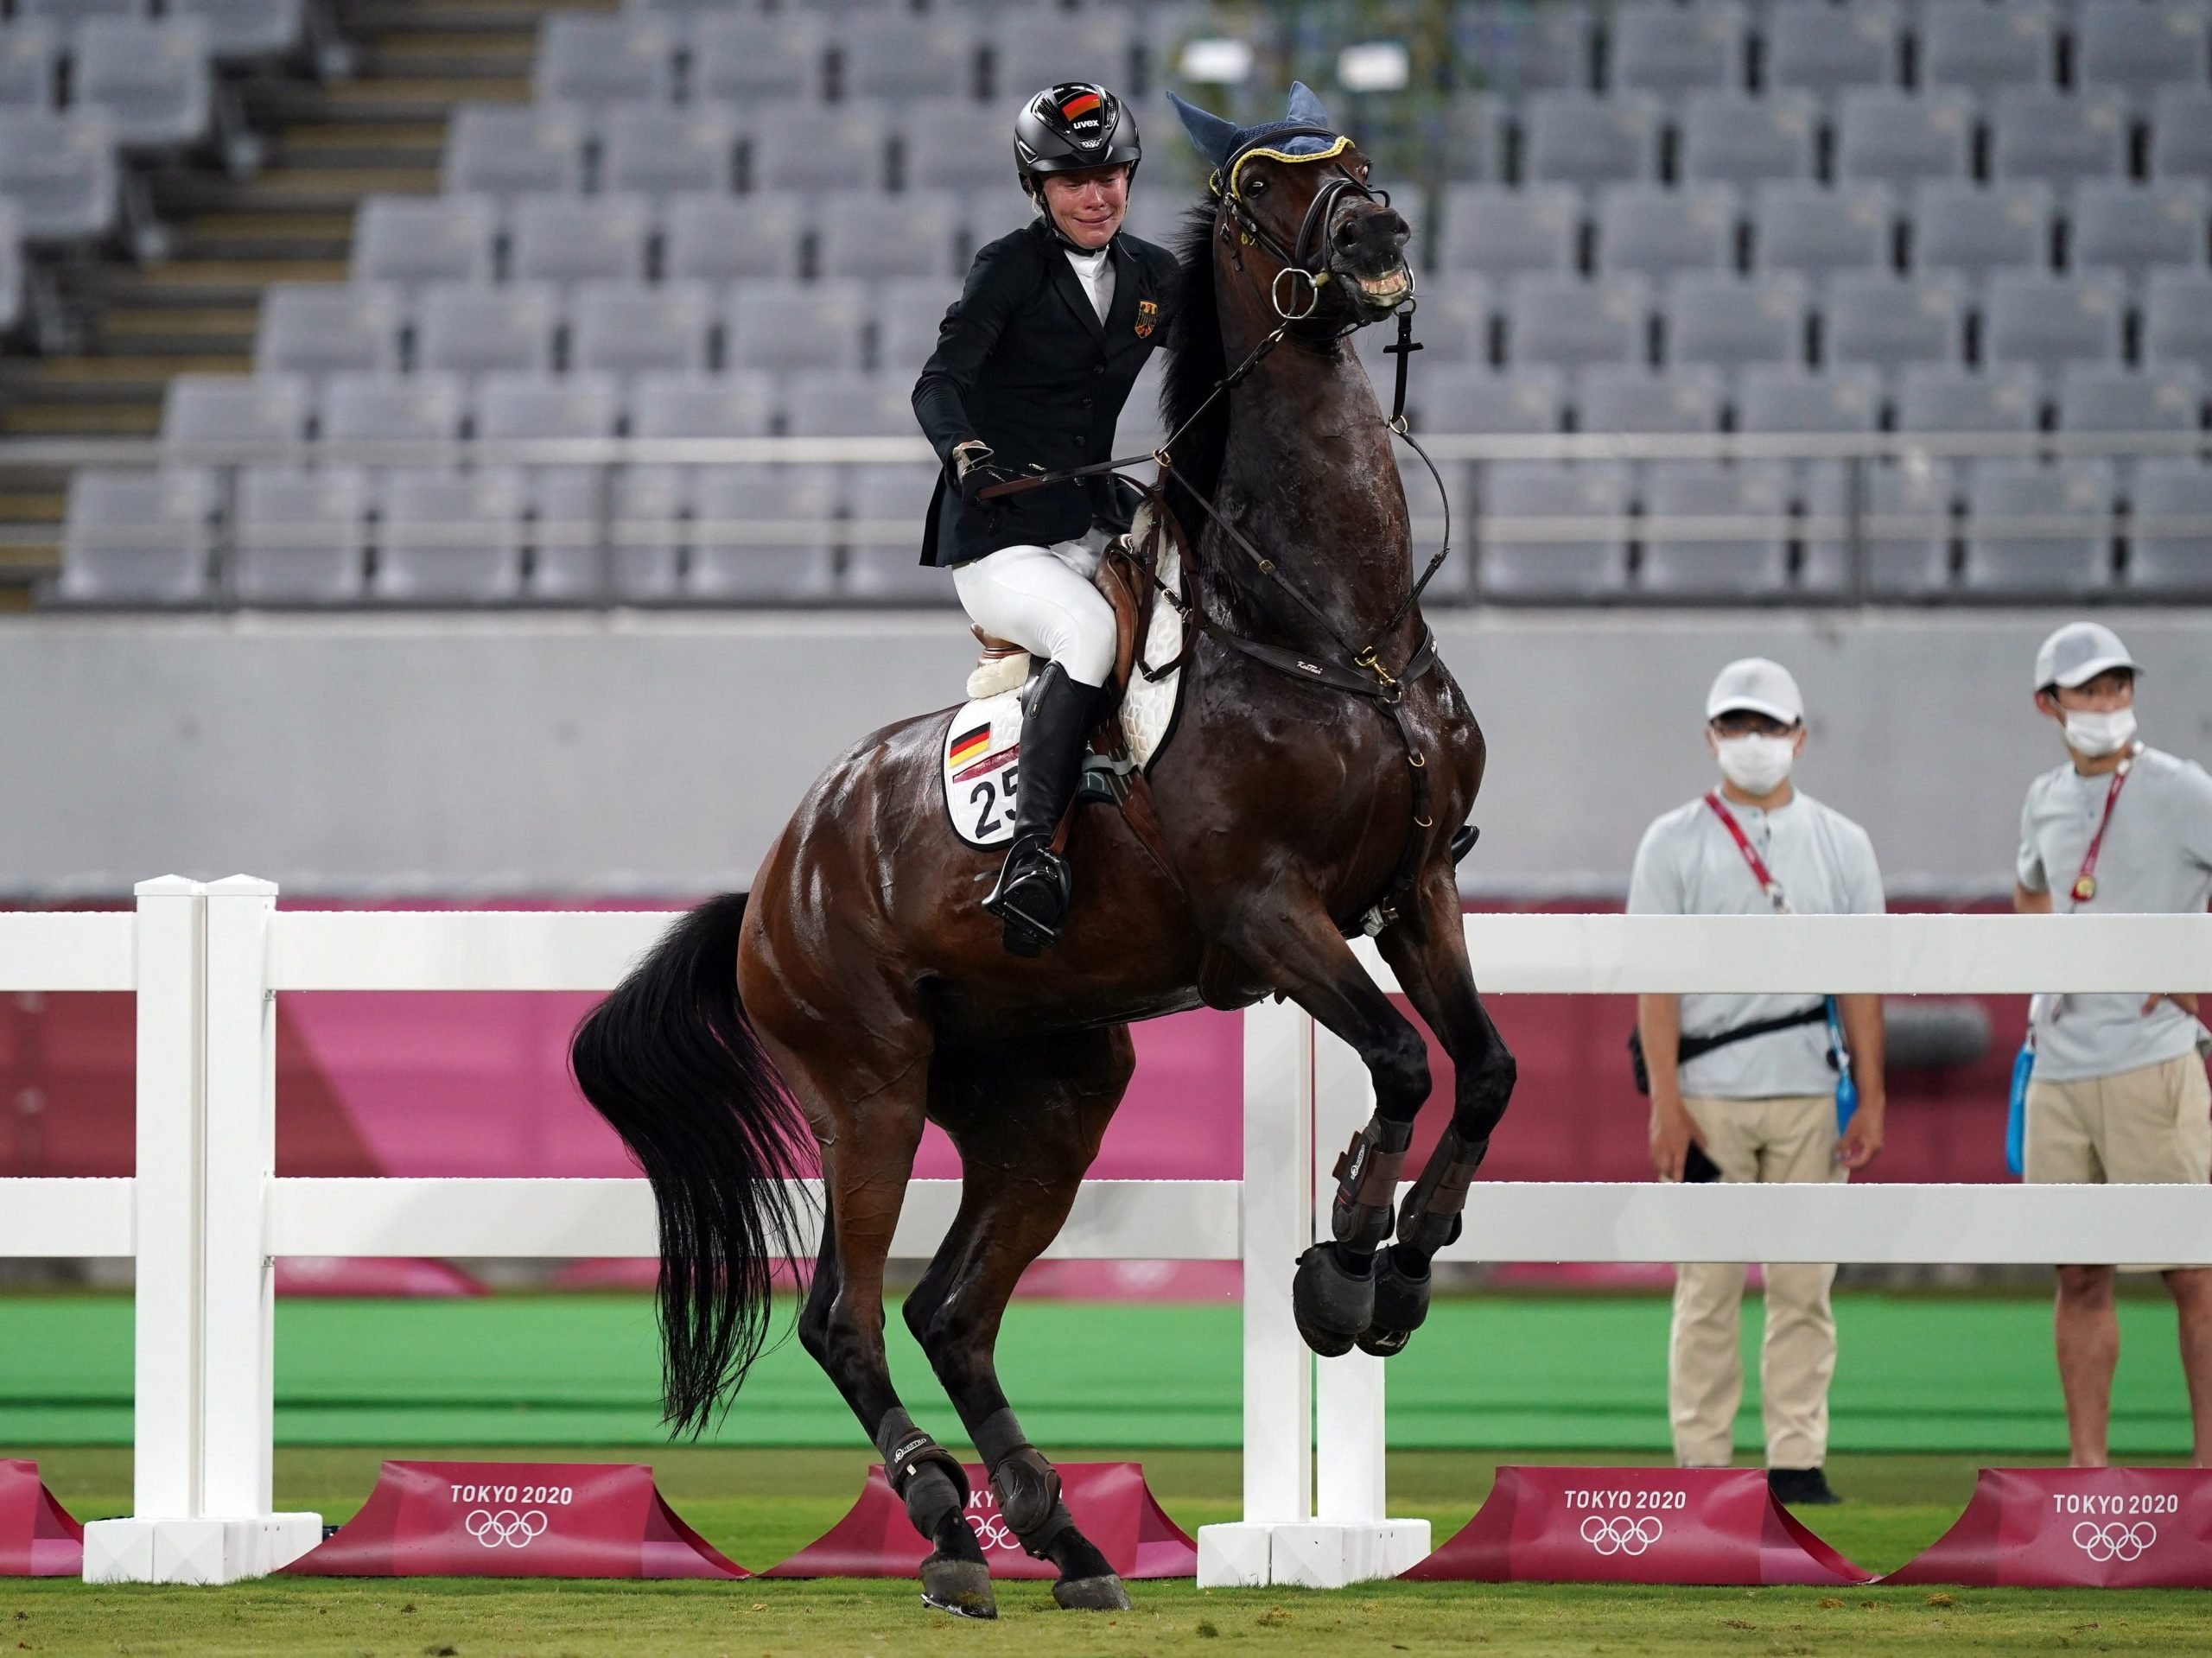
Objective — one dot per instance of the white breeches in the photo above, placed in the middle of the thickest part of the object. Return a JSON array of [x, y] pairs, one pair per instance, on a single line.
[[1041, 598]]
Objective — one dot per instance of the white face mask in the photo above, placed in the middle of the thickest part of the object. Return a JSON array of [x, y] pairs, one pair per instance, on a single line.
[[2095, 735], [1758, 766]]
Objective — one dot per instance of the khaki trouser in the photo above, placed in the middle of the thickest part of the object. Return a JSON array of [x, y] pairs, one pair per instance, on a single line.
[[2147, 1126], [1791, 1139]]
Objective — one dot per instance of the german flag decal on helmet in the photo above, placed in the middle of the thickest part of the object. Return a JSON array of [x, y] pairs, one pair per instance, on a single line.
[[1082, 104]]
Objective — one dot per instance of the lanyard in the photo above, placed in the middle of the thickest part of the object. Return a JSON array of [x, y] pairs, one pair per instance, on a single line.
[[1760, 873], [2085, 884]]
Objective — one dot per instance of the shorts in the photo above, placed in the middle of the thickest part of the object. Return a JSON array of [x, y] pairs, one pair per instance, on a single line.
[[2151, 1126]]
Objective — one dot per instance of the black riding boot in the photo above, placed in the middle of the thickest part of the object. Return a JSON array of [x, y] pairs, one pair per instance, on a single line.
[[1031, 896]]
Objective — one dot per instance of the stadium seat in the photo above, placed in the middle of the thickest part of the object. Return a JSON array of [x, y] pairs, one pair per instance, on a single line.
[[1473, 137], [2181, 133], [525, 407], [265, 409], [919, 234], [513, 150], [1951, 397], [910, 311], [785, 325], [321, 327], [883, 542], [11, 266], [584, 58], [578, 239], [1655, 232], [1612, 398], [1773, 397], [627, 328], [2034, 317], [1907, 528], [2109, 397], [466, 329], [898, 58], [60, 172], [1819, 229], [1735, 138], [739, 404], [746, 61], [1746, 554], [1571, 322], [850, 402], [2011, 558], [765, 534], [2169, 534], [1522, 48], [722, 238], [371, 407], [1454, 324], [1582, 139], [1963, 43], [1729, 321], [566, 508], [1477, 400], [1032, 50], [1900, 137], [138, 538], [1660, 46], [1140, 430], [1502, 232], [2177, 316], [2136, 46], [301, 537], [1541, 560], [425, 238], [645, 530], [1974, 229], [152, 81], [31, 60], [238, 30], [2131, 227], [658, 150], [951, 144], [449, 538], [1830, 49], [2037, 132], [1870, 316], [841, 147]]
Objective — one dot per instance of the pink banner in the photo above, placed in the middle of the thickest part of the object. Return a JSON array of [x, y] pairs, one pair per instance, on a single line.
[[515, 1520], [1714, 1525], [38, 1537], [1109, 1502], [2077, 1528]]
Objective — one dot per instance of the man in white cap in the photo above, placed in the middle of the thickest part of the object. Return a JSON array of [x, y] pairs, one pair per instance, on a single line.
[[2118, 1091], [1745, 1087]]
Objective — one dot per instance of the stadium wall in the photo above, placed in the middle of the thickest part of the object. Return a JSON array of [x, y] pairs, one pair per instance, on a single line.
[[638, 753]]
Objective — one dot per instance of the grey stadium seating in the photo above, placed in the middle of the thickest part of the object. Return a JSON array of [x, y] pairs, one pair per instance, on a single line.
[[950, 144], [628, 328], [511, 149], [588, 59], [1950, 397], [1612, 398], [425, 238], [737, 404], [528, 406], [1908, 531], [1582, 139], [60, 172], [1659, 47], [1571, 322], [1964, 43], [753, 60], [1558, 559], [2038, 132], [2023, 560], [795, 325], [2046, 321], [920, 233], [1901, 137], [1828, 49], [2137, 47], [448, 537], [1817, 228], [301, 536], [138, 538], [241, 30], [321, 327], [71, 15], [2109, 397], [580, 238], [1870, 316], [2181, 132], [1690, 561], [722, 239], [909, 311], [30, 65], [881, 565], [373, 408], [235, 409], [1477, 399], [11, 264], [766, 534], [2170, 537], [899, 58], [1732, 137], [1973, 229], [658, 151], [1731, 321], [848, 403], [469, 328], [151, 80], [1502, 231], [2177, 316], [646, 507], [1530, 48], [1032, 50], [2131, 227], [1655, 231], [1776, 397], [844, 147]]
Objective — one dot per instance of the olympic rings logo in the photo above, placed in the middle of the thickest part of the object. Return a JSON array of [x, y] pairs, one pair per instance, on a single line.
[[992, 1531], [2115, 1541], [1619, 1535], [507, 1527]]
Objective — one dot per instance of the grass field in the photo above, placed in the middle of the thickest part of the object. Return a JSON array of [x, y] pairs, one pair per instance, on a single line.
[[758, 1505]]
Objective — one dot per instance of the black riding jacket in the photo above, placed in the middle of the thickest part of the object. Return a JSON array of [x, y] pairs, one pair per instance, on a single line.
[[1023, 363]]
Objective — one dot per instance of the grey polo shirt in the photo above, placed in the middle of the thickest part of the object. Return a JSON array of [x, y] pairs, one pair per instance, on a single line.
[[1689, 864], [2156, 860]]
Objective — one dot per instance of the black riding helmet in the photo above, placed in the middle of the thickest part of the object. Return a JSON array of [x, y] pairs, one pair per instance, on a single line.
[[1074, 126]]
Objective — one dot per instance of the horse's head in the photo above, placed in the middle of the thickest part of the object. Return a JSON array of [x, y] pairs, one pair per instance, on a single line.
[[1295, 213]]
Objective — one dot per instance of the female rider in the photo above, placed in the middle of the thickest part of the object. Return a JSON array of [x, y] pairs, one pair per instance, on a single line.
[[1032, 367]]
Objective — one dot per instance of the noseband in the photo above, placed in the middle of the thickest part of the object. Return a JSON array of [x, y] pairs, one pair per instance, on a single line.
[[1306, 257]]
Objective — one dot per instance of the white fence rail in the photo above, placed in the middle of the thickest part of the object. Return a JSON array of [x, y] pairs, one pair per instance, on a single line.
[[206, 1215]]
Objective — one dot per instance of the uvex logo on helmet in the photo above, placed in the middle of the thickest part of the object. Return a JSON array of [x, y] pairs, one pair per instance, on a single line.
[[1074, 127]]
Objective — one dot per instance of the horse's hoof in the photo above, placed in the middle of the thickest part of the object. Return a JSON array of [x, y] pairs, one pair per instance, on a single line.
[[1091, 1594], [1331, 1307], [961, 1587], [1401, 1305]]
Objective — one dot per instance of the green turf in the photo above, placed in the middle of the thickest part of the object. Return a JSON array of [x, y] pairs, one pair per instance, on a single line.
[[758, 1505], [1928, 1373]]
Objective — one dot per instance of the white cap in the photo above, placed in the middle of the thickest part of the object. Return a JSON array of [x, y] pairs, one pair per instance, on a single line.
[[2077, 653], [1761, 686]]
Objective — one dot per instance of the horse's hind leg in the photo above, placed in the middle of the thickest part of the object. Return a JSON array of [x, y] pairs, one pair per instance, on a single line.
[[1028, 1120], [864, 1169]]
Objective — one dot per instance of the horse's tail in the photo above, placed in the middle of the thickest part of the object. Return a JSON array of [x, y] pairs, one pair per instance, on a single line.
[[670, 1061]]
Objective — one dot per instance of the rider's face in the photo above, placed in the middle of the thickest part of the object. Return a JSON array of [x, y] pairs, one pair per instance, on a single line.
[[1088, 206]]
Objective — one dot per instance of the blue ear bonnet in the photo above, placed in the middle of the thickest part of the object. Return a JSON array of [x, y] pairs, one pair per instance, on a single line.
[[1217, 140]]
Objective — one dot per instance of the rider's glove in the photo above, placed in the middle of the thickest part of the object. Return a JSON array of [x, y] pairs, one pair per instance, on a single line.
[[972, 462]]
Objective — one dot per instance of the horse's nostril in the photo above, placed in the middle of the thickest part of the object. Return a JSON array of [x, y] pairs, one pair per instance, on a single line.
[[1347, 235], [1400, 230]]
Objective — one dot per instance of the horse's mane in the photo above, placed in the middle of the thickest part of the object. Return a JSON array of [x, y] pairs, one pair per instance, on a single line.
[[1196, 366]]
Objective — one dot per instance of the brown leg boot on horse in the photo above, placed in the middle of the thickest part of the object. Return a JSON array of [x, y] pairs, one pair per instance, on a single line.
[[861, 989]]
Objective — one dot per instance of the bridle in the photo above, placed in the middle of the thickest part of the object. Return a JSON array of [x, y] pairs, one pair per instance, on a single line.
[[1306, 257]]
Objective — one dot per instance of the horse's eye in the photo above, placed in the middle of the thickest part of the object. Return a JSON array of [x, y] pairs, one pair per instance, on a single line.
[[1257, 188]]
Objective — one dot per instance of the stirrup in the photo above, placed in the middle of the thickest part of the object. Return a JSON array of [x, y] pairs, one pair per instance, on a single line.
[[1031, 896]]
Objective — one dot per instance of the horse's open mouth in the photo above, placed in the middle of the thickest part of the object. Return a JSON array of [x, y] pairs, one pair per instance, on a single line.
[[1387, 289]]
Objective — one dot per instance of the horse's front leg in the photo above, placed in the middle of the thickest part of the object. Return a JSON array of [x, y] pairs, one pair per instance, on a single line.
[[1287, 937], [1427, 950]]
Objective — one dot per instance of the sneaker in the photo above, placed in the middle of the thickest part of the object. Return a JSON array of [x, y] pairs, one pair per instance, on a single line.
[[1801, 1487]]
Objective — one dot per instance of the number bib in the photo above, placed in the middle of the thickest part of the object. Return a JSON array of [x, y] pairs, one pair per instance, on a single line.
[[983, 763]]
